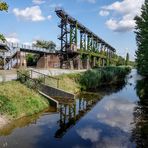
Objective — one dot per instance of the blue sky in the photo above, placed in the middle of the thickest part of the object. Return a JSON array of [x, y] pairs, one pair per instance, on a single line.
[[28, 20]]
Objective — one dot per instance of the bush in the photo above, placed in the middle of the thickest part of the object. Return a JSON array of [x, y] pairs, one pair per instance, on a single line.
[[92, 79], [22, 75], [7, 107]]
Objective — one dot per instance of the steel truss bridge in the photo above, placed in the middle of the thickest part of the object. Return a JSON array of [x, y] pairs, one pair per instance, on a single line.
[[89, 42]]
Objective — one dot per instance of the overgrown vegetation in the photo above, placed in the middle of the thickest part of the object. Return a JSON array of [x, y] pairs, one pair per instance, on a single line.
[[93, 79], [142, 40], [3, 7], [16, 100], [70, 82], [49, 45]]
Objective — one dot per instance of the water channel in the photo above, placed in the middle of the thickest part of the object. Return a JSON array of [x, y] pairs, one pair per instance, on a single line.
[[115, 117]]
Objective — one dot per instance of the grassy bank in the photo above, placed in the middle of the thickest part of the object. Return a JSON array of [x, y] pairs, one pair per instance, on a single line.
[[16, 100], [93, 79]]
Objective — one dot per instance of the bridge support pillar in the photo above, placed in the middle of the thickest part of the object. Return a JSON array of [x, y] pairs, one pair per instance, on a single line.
[[43, 62], [94, 61], [71, 65], [23, 62], [88, 63], [79, 61], [103, 62]]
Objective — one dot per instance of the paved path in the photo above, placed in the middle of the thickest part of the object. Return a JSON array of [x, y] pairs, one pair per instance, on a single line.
[[9, 75]]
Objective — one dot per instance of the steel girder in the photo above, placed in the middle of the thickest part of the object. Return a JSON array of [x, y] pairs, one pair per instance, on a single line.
[[82, 40], [64, 34], [73, 34]]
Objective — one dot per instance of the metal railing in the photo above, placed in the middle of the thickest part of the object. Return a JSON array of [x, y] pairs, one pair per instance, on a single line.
[[25, 79], [38, 77], [11, 46], [46, 79]]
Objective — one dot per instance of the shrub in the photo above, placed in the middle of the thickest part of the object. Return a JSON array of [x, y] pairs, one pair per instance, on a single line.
[[7, 107], [92, 79]]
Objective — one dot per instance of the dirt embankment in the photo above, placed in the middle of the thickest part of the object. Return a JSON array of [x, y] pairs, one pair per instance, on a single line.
[[3, 121]]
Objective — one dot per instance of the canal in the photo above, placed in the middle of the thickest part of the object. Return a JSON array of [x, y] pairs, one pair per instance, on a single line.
[[114, 117]]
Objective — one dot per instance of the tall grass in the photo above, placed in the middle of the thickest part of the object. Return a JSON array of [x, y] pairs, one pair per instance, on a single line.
[[92, 79], [95, 78], [16, 100]]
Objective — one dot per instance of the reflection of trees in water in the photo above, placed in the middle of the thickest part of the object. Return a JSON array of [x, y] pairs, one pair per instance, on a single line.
[[72, 113], [140, 133]]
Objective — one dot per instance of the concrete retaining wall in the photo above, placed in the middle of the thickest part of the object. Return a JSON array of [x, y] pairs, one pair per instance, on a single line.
[[55, 92]]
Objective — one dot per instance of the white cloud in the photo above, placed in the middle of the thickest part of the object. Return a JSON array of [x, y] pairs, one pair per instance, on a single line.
[[12, 38], [49, 17], [89, 133], [38, 2], [127, 9], [117, 113], [30, 13], [104, 13], [120, 26]]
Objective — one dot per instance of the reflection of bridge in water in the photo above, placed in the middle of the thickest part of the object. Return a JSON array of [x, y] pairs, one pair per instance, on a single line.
[[71, 113]]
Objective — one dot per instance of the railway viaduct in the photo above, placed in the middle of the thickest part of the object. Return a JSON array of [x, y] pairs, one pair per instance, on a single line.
[[80, 48]]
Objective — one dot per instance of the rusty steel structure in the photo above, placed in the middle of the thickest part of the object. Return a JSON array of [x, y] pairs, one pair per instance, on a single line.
[[76, 38]]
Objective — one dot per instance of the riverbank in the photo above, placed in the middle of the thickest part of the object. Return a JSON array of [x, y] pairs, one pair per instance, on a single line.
[[93, 79], [3, 121], [16, 101]]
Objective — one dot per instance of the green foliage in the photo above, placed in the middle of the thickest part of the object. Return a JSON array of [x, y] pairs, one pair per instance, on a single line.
[[22, 75], [49, 45], [3, 6], [7, 107], [142, 89], [92, 79], [127, 59], [142, 40], [32, 59], [16, 100], [2, 38], [120, 61]]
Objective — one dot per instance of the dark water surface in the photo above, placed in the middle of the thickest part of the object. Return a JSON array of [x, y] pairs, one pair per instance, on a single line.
[[114, 118]]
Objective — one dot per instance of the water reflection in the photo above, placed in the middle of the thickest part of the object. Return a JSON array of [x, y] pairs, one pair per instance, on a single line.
[[140, 132], [70, 114], [24, 122], [102, 119]]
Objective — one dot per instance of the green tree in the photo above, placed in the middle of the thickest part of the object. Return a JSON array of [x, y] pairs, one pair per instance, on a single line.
[[120, 61], [49, 45], [142, 40], [127, 59], [3, 7]]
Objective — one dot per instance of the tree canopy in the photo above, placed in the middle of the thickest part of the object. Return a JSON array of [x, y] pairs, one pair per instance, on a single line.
[[142, 40], [3, 7], [49, 45], [127, 59]]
